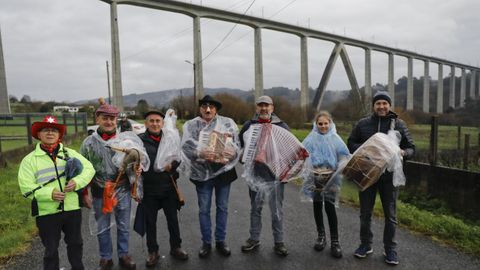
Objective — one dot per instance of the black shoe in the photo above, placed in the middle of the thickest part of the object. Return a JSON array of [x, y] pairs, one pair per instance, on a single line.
[[335, 249], [152, 259], [179, 254], [223, 249], [250, 245], [280, 249], [320, 243], [205, 250]]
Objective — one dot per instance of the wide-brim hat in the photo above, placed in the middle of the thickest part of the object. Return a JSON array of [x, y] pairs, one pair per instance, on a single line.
[[48, 121], [210, 100]]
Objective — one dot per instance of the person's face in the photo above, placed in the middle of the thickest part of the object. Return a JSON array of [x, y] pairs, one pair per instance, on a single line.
[[154, 123], [208, 111], [323, 124], [381, 107], [107, 123], [49, 135], [264, 110]]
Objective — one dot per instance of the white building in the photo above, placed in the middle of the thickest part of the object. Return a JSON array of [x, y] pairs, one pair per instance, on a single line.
[[59, 109]]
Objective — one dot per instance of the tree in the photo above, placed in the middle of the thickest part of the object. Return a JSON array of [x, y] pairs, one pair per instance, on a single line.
[[13, 99], [26, 99], [142, 107]]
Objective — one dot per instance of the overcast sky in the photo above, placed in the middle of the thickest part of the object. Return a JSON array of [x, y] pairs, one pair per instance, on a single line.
[[56, 49]]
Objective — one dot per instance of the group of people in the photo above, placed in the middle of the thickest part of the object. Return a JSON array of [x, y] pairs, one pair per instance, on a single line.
[[58, 180]]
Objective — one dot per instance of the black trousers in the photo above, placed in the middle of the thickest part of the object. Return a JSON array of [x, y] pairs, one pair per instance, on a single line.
[[331, 215], [169, 203], [50, 228]]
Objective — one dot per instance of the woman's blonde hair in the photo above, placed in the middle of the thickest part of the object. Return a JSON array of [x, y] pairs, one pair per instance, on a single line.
[[323, 114]]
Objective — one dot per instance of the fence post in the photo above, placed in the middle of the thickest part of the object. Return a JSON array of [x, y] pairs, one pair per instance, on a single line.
[[0, 144], [64, 118], [28, 123], [434, 140], [459, 136], [84, 122], [75, 122], [466, 151]]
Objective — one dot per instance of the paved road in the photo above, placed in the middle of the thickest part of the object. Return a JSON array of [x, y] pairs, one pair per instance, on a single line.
[[415, 251]]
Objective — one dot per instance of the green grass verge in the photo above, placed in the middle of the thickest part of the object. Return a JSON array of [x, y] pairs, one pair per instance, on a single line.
[[443, 228]]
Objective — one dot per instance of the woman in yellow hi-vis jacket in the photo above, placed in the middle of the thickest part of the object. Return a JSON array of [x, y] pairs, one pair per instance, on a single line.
[[52, 175]]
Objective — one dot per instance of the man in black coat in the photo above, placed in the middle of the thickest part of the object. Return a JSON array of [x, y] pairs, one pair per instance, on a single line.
[[382, 120], [159, 193]]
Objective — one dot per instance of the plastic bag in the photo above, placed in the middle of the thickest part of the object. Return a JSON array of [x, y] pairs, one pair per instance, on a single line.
[[169, 148]]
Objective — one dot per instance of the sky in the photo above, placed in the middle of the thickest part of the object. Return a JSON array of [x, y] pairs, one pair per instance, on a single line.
[[56, 50]]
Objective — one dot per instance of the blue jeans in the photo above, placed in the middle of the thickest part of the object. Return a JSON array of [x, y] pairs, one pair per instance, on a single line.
[[388, 196], [275, 202], [204, 195], [122, 219]]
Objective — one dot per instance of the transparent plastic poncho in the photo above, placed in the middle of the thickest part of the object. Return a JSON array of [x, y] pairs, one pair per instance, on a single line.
[[218, 138], [380, 153], [327, 152], [169, 148]]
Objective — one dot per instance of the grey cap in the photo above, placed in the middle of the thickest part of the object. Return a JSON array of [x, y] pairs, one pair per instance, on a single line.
[[264, 99]]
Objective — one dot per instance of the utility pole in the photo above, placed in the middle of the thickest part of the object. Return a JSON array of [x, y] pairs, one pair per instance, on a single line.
[[108, 85], [194, 83]]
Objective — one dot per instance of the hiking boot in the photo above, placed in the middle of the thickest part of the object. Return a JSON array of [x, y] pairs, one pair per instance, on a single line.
[[250, 245], [362, 251], [105, 264], [336, 250], [152, 259], [205, 250], [280, 249], [391, 257], [127, 262], [320, 243], [179, 254], [223, 249]]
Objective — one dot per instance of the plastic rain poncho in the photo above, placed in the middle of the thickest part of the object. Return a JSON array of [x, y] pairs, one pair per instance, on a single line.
[[219, 136], [383, 152], [327, 151], [169, 148], [108, 163]]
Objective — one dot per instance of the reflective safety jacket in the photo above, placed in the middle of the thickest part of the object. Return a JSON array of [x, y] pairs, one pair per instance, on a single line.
[[37, 168]]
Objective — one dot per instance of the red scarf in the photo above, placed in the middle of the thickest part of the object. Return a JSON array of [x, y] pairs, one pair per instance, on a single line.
[[155, 137], [107, 137], [261, 120], [50, 150]]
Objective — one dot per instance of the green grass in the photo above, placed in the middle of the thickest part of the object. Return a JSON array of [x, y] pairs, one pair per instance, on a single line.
[[440, 227]]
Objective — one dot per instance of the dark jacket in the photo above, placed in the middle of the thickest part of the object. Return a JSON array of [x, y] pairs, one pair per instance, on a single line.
[[261, 170], [156, 183], [368, 126]]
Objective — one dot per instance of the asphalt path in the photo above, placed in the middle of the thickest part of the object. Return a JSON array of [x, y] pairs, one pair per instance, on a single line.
[[415, 251]]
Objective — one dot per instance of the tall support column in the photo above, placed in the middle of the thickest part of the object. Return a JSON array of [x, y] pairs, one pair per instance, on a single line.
[[304, 75], [451, 94], [4, 100], [410, 84], [440, 89], [478, 90], [197, 58], [426, 87], [472, 83], [117, 100], [463, 88], [258, 63], [391, 85], [368, 78]]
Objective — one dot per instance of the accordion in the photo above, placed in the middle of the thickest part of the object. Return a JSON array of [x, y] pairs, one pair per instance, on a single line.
[[275, 147], [217, 143], [370, 161]]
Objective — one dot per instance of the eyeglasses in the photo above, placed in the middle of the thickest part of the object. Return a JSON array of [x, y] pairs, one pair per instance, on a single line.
[[52, 130], [209, 106]]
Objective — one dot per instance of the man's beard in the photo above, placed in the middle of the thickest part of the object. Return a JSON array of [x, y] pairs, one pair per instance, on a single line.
[[264, 115]]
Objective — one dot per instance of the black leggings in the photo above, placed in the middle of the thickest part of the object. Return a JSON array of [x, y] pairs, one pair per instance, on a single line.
[[332, 218]]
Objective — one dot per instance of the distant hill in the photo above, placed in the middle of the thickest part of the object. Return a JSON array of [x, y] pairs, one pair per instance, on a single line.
[[164, 97]]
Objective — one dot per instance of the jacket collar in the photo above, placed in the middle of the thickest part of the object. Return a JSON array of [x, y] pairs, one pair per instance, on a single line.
[[40, 152]]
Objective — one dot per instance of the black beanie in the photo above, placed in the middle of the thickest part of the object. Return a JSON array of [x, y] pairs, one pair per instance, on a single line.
[[382, 95]]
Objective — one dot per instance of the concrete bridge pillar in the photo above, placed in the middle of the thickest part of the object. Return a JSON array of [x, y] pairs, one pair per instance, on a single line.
[[258, 63], [197, 58], [117, 99], [391, 84], [440, 89], [463, 88], [410, 84], [368, 78], [478, 90], [4, 100], [304, 75], [451, 94], [426, 87], [473, 74]]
